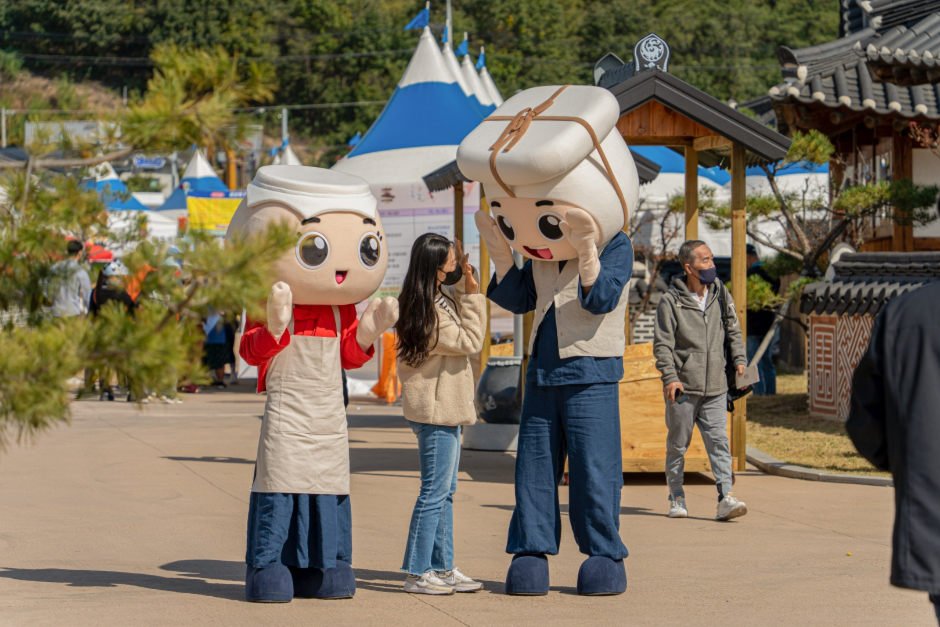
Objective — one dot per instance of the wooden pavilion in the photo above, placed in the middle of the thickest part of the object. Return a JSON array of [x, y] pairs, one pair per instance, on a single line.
[[659, 109]]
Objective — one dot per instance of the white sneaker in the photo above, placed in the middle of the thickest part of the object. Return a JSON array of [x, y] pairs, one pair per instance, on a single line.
[[678, 509], [458, 580], [428, 583], [730, 507]]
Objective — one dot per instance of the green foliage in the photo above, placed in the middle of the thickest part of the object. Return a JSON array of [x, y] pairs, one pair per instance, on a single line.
[[812, 147], [191, 97], [11, 64], [142, 183], [782, 265], [153, 349], [761, 294], [727, 48]]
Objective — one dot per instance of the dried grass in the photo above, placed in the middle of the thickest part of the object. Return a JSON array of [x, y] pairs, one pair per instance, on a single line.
[[781, 426]]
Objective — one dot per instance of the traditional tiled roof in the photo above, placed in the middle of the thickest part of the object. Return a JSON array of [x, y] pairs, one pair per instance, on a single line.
[[865, 282], [907, 55]]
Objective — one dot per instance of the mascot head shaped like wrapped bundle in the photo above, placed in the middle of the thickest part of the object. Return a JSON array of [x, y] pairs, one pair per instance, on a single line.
[[548, 150], [341, 252]]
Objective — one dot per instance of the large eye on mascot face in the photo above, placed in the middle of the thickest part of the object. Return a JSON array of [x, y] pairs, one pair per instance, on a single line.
[[534, 227], [340, 253]]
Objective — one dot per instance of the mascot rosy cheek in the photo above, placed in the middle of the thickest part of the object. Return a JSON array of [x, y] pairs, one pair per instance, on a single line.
[[299, 520], [561, 183]]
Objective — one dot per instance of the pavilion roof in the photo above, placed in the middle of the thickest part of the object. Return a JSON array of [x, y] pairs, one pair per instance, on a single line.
[[763, 144]]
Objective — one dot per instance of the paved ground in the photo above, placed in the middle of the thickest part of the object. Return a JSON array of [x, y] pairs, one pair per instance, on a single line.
[[130, 518]]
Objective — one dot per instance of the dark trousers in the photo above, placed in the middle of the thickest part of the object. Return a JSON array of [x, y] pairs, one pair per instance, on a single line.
[[582, 423], [301, 530]]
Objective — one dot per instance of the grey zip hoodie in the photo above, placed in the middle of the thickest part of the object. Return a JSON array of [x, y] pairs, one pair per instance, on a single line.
[[689, 344]]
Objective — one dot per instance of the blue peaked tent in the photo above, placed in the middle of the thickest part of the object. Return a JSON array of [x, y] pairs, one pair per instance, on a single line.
[[421, 126], [113, 191], [200, 176]]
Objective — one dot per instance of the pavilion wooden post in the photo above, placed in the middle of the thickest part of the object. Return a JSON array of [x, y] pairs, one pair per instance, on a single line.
[[902, 166], [484, 284], [230, 170], [739, 289], [691, 193], [458, 211]]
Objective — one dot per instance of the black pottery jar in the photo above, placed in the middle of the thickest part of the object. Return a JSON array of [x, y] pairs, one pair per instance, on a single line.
[[498, 398]]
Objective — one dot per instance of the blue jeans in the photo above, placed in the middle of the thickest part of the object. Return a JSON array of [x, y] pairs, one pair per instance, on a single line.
[[582, 423], [431, 535], [765, 367]]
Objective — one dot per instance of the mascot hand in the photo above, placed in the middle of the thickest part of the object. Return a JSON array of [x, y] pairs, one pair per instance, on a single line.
[[380, 315], [496, 245], [280, 307], [580, 230]]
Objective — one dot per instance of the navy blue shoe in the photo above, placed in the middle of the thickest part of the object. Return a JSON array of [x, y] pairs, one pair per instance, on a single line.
[[338, 582], [271, 584], [528, 575], [602, 576]]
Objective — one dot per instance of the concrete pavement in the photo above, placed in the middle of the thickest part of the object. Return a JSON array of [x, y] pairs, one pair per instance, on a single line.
[[138, 518]]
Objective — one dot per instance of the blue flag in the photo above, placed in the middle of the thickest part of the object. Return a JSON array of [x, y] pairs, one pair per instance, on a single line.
[[355, 139], [444, 36], [421, 20], [463, 48], [272, 153], [481, 62]]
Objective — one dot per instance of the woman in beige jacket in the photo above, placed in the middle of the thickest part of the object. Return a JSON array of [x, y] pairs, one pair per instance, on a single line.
[[442, 320]]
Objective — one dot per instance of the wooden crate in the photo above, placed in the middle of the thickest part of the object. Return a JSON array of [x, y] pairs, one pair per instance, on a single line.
[[642, 417]]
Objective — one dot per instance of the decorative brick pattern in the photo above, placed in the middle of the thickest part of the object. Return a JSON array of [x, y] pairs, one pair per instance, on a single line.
[[823, 380], [852, 336]]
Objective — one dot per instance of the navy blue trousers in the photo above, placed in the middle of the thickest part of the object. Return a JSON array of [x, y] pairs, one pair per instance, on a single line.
[[582, 423], [301, 530]]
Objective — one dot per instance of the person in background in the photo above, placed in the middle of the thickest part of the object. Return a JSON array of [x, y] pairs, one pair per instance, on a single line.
[[689, 345], [231, 328], [442, 320], [215, 348], [758, 324], [74, 292], [111, 286], [894, 424]]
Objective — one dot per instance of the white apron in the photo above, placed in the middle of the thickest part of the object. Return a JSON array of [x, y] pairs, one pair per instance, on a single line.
[[304, 447]]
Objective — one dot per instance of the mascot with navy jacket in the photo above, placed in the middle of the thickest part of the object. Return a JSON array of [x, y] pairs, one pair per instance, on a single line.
[[561, 182], [299, 517]]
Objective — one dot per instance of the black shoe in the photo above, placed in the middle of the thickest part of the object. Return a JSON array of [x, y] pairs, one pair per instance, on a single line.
[[107, 394], [218, 384]]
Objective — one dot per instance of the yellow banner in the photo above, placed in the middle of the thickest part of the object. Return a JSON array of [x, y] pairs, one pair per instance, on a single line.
[[211, 214]]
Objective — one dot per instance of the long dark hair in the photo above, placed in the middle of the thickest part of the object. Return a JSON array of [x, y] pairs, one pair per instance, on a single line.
[[417, 317]]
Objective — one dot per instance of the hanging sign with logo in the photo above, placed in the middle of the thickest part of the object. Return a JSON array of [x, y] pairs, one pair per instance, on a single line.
[[143, 162], [651, 52]]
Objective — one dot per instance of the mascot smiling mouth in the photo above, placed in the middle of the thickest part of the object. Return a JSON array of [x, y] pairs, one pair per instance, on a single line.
[[341, 276], [540, 253]]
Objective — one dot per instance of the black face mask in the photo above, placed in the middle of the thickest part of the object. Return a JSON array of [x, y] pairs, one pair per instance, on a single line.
[[453, 276]]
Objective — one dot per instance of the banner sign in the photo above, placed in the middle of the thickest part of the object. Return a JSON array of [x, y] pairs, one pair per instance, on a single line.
[[143, 162], [409, 210], [212, 211]]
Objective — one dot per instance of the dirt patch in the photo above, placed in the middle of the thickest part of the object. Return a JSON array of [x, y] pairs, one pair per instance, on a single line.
[[31, 91], [781, 426]]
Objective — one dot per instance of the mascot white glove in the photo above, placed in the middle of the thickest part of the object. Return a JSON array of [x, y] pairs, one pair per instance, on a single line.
[[381, 314], [280, 308], [580, 230], [496, 245]]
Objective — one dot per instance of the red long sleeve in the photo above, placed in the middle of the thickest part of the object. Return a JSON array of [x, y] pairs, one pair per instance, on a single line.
[[258, 347]]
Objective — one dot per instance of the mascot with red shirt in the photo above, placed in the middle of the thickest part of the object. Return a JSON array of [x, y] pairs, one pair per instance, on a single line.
[[299, 519]]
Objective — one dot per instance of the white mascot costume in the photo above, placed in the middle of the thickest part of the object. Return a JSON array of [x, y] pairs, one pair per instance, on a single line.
[[299, 519], [561, 183]]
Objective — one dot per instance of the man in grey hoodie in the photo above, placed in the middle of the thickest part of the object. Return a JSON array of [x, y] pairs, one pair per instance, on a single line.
[[689, 345]]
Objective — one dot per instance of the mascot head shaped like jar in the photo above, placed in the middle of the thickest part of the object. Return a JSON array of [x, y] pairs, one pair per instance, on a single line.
[[341, 252], [546, 151]]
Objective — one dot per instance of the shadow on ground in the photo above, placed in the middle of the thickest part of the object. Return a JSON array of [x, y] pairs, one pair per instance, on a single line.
[[215, 460], [192, 581]]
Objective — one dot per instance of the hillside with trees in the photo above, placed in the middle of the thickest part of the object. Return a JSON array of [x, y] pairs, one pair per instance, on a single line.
[[336, 51]]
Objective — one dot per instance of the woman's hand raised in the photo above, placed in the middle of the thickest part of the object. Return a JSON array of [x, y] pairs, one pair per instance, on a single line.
[[470, 284]]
